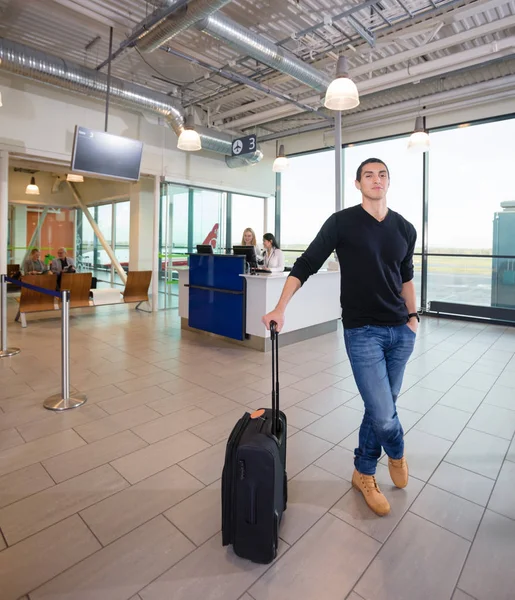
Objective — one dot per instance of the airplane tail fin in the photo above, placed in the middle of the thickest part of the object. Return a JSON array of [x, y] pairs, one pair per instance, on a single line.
[[212, 236]]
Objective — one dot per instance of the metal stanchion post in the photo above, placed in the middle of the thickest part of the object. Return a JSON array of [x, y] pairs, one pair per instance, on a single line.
[[5, 351], [63, 401]]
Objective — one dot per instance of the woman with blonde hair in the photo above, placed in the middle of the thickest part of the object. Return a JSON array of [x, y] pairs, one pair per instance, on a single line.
[[249, 239]]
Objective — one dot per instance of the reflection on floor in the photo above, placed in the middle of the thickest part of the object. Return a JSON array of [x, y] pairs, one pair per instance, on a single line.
[[120, 499]]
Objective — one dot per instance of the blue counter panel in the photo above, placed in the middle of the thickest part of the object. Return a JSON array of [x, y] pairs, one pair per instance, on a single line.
[[217, 271], [217, 300], [217, 312]]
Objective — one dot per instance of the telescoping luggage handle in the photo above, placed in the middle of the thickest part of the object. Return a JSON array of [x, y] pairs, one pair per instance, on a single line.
[[275, 377]]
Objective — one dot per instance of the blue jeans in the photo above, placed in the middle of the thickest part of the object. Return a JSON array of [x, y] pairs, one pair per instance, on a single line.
[[378, 356]]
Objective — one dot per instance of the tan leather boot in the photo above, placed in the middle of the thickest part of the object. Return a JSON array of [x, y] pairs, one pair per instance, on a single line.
[[375, 499], [398, 471]]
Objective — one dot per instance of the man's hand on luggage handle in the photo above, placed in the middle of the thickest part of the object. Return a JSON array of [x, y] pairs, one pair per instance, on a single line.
[[275, 315]]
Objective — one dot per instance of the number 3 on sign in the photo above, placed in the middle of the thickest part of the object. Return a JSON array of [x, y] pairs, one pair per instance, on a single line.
[[252, 144]]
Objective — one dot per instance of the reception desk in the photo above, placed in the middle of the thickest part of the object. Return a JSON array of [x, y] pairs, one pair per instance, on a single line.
[[314, 310]]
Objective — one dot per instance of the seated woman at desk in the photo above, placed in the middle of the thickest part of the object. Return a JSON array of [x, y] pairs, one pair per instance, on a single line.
[[249, 239], [33, 265], [272, 257]]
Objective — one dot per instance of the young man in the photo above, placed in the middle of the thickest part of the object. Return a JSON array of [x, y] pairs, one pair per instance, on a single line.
[[375, 249]]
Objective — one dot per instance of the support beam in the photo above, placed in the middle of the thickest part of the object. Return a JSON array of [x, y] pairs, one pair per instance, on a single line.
[[4, 209], [98, 233], [338, 160], [155, 245]]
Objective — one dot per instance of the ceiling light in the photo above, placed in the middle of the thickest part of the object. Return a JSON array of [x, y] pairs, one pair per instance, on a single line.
[[32, 189], [419, 139], [75, 178], [342, 93], [281, 163], [189, 140]]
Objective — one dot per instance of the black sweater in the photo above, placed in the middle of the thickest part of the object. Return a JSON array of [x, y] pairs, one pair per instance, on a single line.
[[376, 258]]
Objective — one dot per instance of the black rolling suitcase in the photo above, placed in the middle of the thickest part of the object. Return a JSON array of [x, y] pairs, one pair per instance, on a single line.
[[254, 482]]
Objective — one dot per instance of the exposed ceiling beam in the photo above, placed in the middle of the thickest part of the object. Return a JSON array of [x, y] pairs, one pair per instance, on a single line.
[[233, 112], [98, 14]]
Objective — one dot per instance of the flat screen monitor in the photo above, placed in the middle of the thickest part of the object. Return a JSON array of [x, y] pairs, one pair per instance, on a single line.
[[107, 155], [248, 251], [204, 249]]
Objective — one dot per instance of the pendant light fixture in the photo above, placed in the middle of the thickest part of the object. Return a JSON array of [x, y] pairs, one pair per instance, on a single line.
[[342, 93], [281, 163], [189, 140], [32, 189], [419, 139]]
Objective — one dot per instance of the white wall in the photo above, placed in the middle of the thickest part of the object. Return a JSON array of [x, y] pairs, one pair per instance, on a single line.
[[39, 120]]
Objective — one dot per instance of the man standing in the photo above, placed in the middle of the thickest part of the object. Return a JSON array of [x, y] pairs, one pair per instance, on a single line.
[[375, 250]]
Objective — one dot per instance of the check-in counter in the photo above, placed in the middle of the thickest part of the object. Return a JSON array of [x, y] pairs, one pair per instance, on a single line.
[[314, 310]]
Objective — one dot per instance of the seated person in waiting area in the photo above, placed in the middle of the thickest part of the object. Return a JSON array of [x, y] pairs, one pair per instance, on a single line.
[[63, 263], [272, 257], [33, 265]]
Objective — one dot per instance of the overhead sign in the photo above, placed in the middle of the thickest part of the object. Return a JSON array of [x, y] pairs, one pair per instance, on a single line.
[[244, 145]]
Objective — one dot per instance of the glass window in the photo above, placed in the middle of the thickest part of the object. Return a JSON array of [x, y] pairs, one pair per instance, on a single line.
[[468, 172], [208, 218], [307, 200], [122, 229], [104, 219], [247, 211]]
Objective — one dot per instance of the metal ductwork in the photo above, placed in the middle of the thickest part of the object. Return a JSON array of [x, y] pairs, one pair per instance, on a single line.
[[194, 11], [33, 64], [225, 30], [247, 160]]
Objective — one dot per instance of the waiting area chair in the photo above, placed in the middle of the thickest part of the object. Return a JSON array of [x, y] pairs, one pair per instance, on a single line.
[[136, 288], [32, 301]]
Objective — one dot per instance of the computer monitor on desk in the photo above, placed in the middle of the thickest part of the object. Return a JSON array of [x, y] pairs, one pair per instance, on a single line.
[[248, 251], [204, 249]]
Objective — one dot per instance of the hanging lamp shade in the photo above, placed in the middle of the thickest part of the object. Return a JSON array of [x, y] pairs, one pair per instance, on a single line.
[[419, 139], [281, 163], [342, 93]]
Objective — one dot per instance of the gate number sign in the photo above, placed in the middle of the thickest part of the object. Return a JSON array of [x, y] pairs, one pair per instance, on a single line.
[[244, 145]]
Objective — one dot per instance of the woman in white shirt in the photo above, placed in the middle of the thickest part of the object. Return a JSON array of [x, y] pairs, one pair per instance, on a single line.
[[273, 257], [249, 239]]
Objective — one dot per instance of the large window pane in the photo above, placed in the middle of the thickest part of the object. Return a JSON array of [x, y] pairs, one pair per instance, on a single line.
[[122, 228], [208, 218], [104, 220], [247, 211], [469, 179], [307, 200], [405, 195]]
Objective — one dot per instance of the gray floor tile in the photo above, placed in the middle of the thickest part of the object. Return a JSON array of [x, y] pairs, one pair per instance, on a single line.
[[325, 401], [122, 567], [117, 515], [353, 509], [23, 483], [477, 381], [348, 384], [339, 461], [444, 422], [419, 399], [299, 417], [304, 449], [316, 383], [22, 567], [511, 452], [330, 557], [310, 495], [406, 565], [408, 418], [423, 453], [225, 576], [501, 396], [10, 438], [494, 420], [336, 425], [199, 515], [478, 452], [351, 442], [503, 496], [459, 595], [206, 465], [462, 398], [436, 380], [451, 512], [463, 483], [489, 572]]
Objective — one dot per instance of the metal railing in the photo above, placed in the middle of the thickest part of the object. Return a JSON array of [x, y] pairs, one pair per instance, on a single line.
[[60, 401]]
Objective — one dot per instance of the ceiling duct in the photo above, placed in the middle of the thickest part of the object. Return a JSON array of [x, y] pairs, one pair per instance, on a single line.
[[39, 66], [194, 11], [252, 44]]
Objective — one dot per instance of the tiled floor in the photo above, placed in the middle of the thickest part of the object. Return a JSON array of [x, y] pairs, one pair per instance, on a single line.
[[120, 499]]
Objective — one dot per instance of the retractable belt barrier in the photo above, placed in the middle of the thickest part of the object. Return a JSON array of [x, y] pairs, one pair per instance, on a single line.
[[61, 401]]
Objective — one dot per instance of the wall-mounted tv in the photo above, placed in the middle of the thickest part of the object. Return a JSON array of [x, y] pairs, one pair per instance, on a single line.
[[107, 155]]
